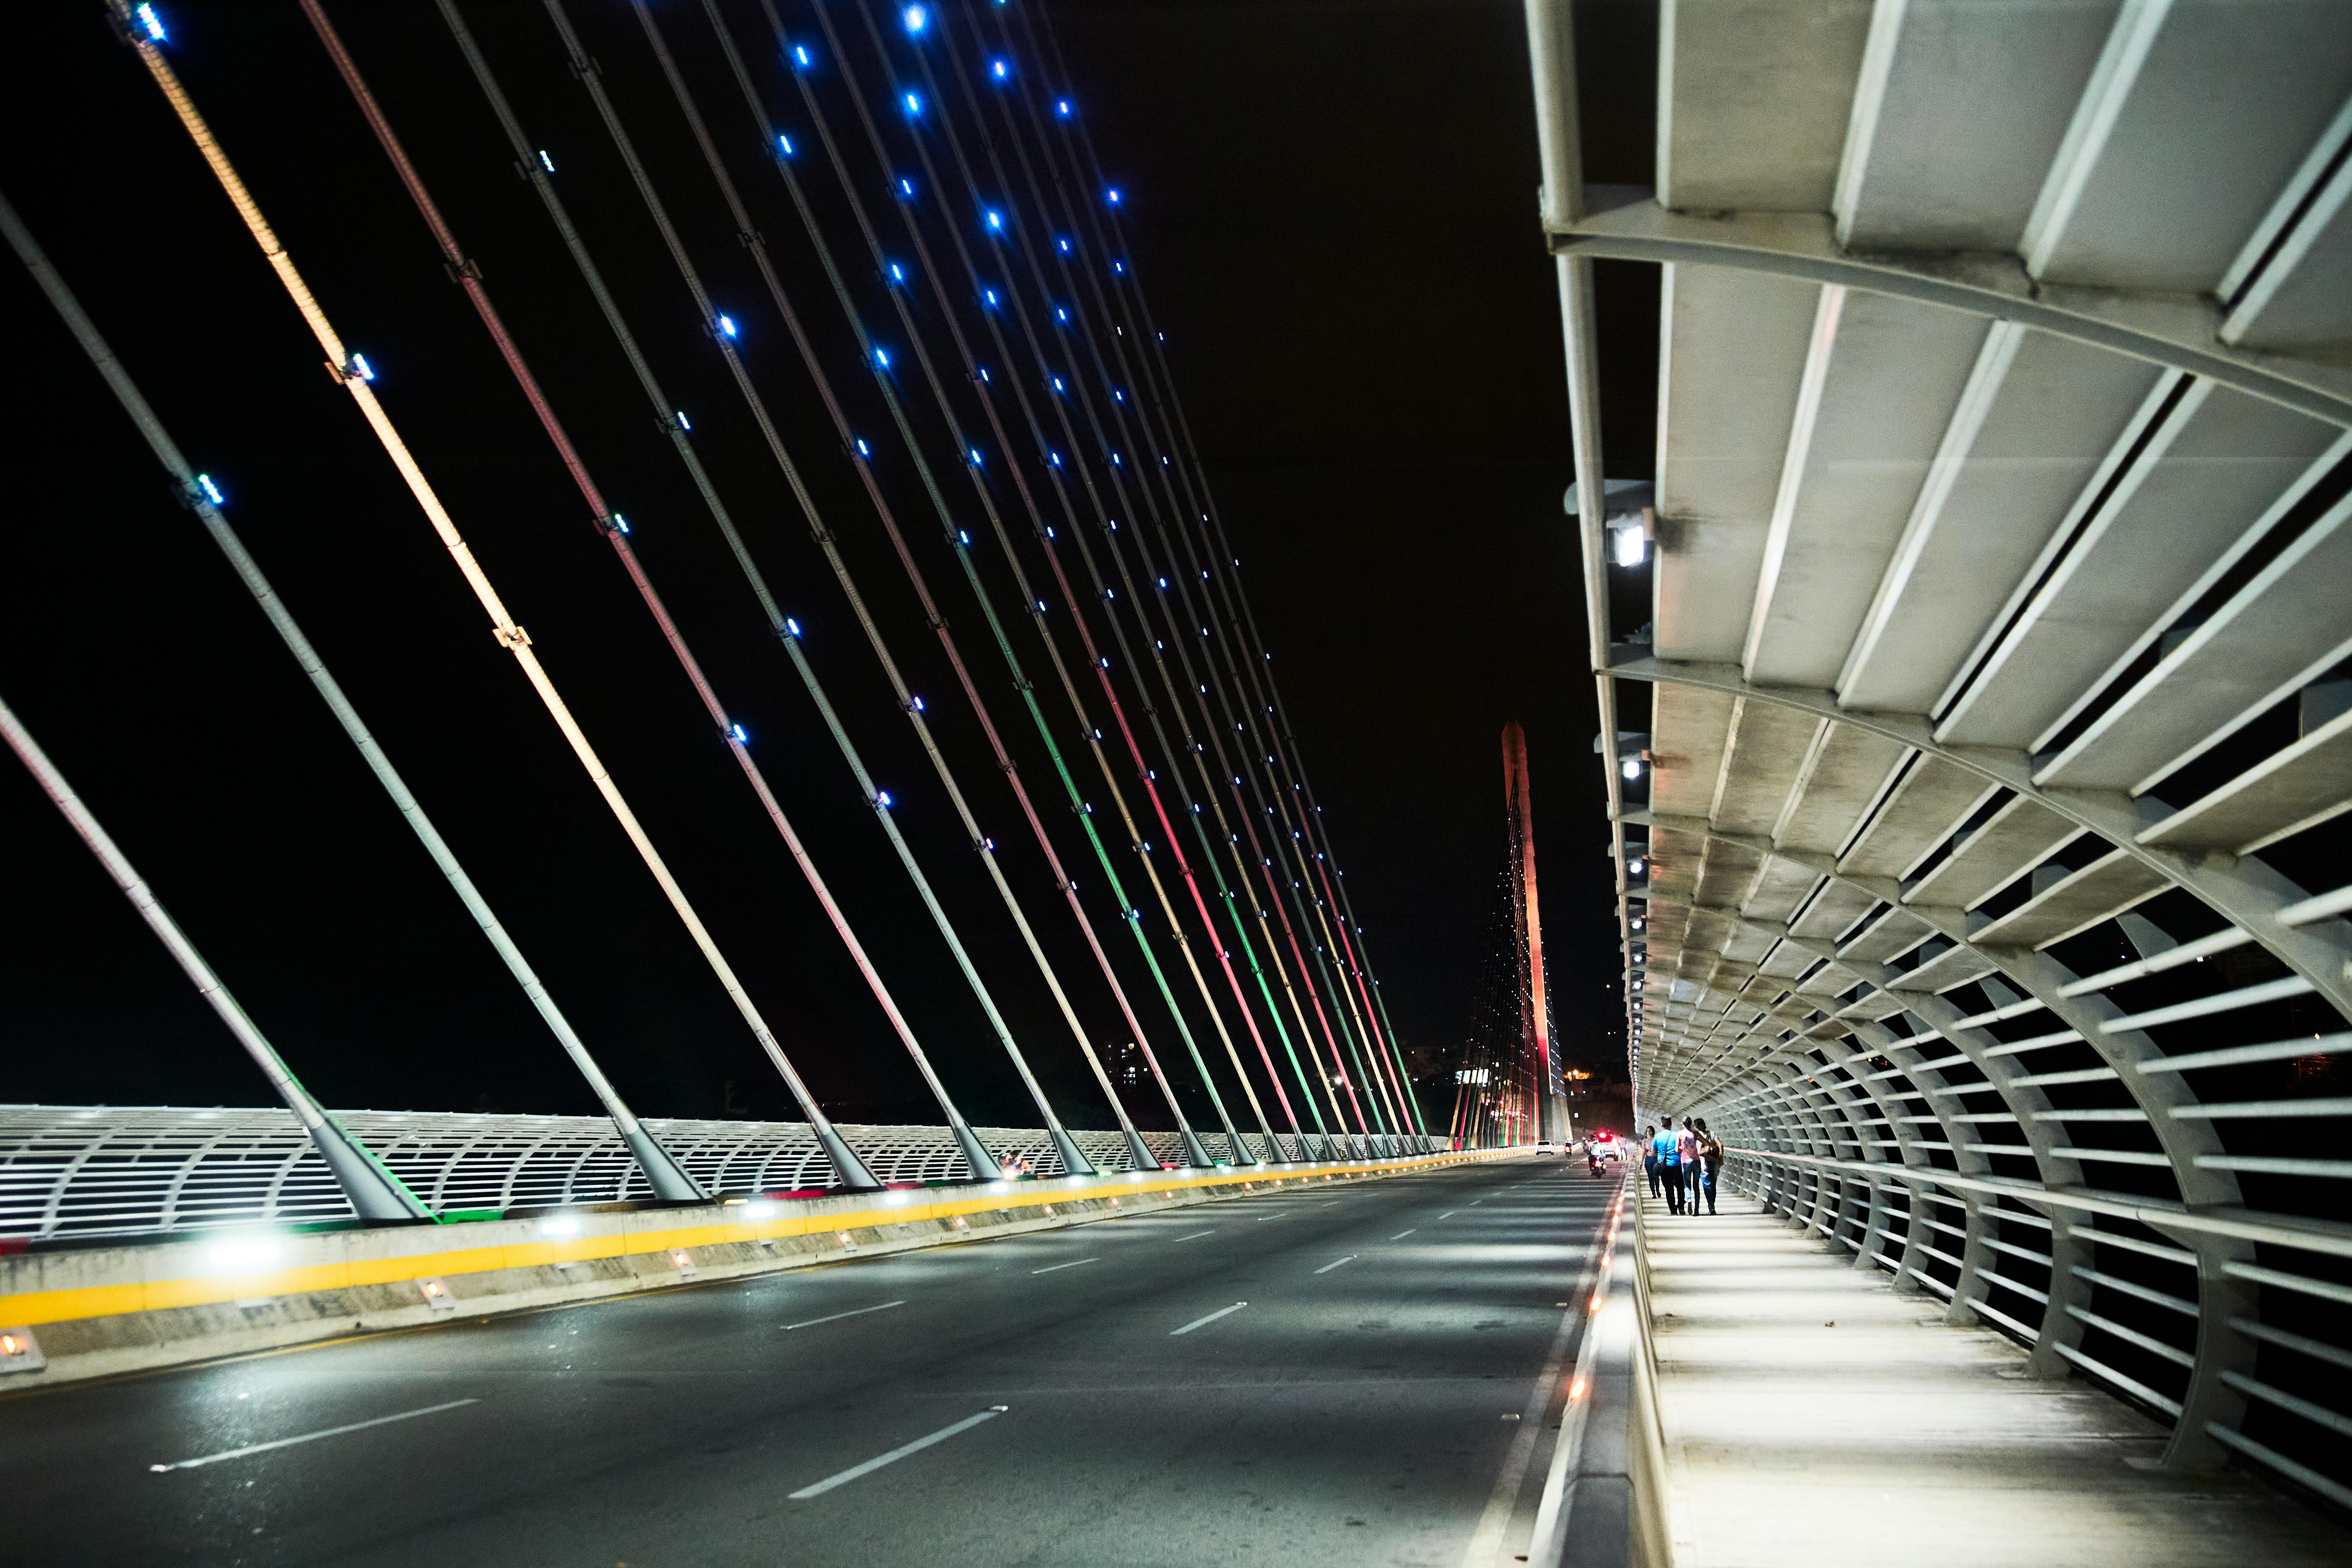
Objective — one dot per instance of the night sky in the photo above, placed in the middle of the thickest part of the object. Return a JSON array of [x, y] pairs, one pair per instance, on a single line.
[[1333, 210]]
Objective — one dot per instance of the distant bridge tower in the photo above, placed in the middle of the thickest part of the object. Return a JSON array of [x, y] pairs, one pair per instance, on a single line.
[[1527, 918]]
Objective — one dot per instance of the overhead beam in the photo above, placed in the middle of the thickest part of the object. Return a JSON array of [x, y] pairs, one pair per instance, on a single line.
[[1624, 223], [2247, 892]]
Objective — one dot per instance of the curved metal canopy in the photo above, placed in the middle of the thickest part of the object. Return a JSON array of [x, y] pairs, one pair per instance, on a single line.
[[1982, 884]]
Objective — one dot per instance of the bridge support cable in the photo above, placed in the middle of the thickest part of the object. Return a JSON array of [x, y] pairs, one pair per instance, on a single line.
[[1134, 918], [375, 1192], [669, 1179], [1051, 459], [1362, 1005], [1177, 705], [615, 533], [876, 360], [1188, 470], [352, 372], [774, 147], [957, 541], [862, 105], [1073, 1158]]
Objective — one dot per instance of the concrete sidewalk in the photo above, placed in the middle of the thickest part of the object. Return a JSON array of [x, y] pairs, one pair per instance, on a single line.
[[1813, 1416]]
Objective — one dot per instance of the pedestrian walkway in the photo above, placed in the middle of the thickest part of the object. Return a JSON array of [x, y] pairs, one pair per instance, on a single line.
[[1815, 1417]]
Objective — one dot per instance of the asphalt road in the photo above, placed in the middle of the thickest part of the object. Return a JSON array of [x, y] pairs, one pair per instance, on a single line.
[[1377, 1397]]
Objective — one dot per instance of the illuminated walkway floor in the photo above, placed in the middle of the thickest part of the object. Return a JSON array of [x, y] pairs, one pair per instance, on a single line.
[[1813, 1418]]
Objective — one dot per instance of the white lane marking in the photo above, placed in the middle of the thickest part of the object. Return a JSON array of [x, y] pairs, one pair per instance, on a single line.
[[1264, 1217], [1449, 1214], [1328, 1266], [836, 1317], [1402, 1234], [1072, 1264], [309, 1436], [1196, 1236], [895, 1455], [1203, 1323], [1328, 1202]]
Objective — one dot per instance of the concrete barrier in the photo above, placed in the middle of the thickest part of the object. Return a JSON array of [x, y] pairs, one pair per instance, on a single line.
[[73, 1313]]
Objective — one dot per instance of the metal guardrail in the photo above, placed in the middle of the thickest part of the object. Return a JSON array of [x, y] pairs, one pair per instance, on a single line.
[[70, 1171]]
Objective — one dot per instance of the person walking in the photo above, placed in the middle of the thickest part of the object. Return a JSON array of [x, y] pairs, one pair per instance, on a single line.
[[1710, 1160], [1668, 1144], [1650, 1158], [1687, 1147]]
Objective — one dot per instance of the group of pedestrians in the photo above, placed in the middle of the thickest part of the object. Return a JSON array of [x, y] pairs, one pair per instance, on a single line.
[[1681, 1163]]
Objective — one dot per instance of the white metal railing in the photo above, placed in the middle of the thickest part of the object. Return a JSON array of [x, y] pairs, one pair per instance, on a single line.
[[69, 1171]]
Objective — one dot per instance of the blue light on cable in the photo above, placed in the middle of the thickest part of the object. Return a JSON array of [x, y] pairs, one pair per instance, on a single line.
[[726, 326], [212, 492], [975, 456], [989, 295], [800, 54], [995, 219], [917, 703], [905, 187], [1113, 194], [863, 450], [898, 273], [999, 70], [151, 23], [914, 102], [545, 162], [882, 798], [361, 368], [1062, 311], [784, 144], [1064, 242], [1062, 107], [620, 523], [683, 422], [915, 18], [882, 358], [1119, 267], [1057, 384], [961, 537], [792, 628]]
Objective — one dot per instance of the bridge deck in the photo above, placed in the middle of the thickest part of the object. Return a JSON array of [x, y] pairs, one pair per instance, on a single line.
[[1814, 1415]]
